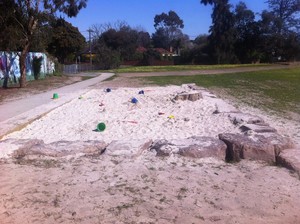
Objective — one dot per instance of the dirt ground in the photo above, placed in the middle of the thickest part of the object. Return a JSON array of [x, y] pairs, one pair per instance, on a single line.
[[146, 189], [143, 189], [14, 92]]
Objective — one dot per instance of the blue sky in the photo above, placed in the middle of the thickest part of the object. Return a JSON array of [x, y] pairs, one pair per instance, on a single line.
[[141, 13]]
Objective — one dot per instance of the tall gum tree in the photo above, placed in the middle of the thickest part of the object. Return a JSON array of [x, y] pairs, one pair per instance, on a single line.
[[27, 13], [168, 29], [221, 38]]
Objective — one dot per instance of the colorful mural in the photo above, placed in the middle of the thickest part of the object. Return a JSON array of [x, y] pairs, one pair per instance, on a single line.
[[10, 66]]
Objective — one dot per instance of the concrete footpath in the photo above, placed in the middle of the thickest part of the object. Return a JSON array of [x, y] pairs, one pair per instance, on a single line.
[[16, 114]]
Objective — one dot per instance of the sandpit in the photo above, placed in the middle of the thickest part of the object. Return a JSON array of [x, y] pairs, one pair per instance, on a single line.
[[155, 115]]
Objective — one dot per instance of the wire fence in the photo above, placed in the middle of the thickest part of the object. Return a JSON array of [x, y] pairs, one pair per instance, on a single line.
[[77, 68]]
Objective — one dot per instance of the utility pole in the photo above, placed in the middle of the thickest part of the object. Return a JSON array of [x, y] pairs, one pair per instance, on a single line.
[[90, 40]]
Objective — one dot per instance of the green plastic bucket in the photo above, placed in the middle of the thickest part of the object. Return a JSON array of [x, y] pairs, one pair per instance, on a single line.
[[101, 126], [55, 96]]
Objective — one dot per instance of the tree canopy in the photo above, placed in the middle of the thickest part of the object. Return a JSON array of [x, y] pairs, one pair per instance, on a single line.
[[25, 16], [168, 30], [66, 40], [235, 35]]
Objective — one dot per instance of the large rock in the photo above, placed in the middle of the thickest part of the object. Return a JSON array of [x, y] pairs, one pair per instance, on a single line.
[[129, 148], [192, 96], [196, 147], [244, 118], [290, 158], [60, 148], [255, 147], [258, 128], [279, 142]]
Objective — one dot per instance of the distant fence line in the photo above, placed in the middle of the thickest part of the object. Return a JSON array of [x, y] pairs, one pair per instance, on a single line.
[[77, 68]]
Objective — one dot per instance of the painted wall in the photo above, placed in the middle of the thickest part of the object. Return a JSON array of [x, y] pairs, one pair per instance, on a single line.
[[9, 64]]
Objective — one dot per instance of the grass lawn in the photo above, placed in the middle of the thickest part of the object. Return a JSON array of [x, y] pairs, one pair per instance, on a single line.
[[273, 90], [182, 67]]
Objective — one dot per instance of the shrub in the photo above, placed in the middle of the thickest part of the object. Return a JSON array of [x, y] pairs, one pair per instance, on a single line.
[[36, 65]]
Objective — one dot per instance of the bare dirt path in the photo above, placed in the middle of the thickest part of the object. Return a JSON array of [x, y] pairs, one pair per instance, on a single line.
[[204, 71]]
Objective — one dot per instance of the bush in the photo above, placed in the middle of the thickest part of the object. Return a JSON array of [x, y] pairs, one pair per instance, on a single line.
[[36, 65], [108, 58]]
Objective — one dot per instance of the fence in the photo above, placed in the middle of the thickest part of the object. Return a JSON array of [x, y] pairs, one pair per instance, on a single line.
[[77, 68]]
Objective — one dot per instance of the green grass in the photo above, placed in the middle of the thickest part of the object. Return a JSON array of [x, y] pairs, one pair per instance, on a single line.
[[272, 90], [181, 67]]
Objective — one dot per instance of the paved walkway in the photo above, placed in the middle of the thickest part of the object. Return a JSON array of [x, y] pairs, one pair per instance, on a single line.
[[20, 112]]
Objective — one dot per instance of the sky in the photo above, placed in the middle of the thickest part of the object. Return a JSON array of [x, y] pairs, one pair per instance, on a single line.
[[140, 13]]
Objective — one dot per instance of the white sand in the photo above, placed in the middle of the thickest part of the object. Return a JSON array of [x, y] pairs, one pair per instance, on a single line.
[[124, 120], [144, 189]]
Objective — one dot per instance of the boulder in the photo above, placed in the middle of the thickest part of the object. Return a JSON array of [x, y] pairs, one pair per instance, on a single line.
[[132, 148], [255, 147], [60, 148], [290, 159], [279, 142], [195, 147], [192, 96], [244, 118], [258, 128]]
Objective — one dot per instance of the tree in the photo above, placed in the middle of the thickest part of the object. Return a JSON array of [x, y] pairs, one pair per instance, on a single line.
[[9, 35], [286, 15], [168, 30], [66, 40], [107, 58], [280, 30], [99, 29], [144, 39], [285, 27], [160, 39], [247, 34], [116, 45], [124, 41], [221, 36], [26, 14]]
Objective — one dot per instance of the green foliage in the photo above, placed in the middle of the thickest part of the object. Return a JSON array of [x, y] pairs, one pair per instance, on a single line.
[[247, 35], [280, 26], [168, 30], [285, 14], [236, 37], [36, 65], [107, 58], [221, 38], [150, 56], [10, 32], [168, 21], [25, 17], [66, 40], [120, 44]]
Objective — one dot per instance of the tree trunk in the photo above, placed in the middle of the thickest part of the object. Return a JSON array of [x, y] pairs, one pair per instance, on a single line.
[[30, 29], [23, 65]]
